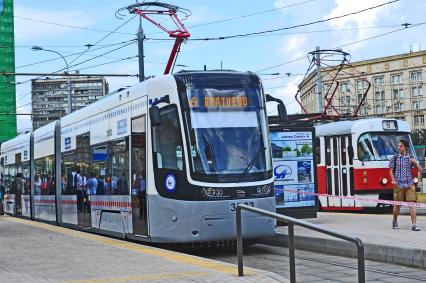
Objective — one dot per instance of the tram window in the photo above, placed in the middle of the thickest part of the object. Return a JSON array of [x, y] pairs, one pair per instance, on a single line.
[[318, 150], [365, 148], [100, 171], [335, 152], [26, 178], [68, 168], [328, 151], [167, 140], [5, 177], [343, 149], [119, 168], [386, 144], [44, 179], [350, 151]]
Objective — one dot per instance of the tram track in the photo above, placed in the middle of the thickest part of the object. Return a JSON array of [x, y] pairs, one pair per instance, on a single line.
[[275, 259]]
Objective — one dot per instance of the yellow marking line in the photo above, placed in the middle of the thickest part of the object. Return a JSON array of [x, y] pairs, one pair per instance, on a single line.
[[149, 277], [169, 255]]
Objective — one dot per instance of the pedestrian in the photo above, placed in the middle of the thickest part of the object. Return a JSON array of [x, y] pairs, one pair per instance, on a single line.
[[404, 185]]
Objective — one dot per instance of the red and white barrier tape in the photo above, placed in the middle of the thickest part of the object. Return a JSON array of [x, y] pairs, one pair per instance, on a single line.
[[361, 199]]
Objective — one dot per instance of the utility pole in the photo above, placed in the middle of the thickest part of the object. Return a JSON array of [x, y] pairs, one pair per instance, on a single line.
[[320, 100], [141, 38]]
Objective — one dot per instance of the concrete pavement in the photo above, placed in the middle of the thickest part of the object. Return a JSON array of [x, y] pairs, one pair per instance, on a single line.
[[37, 252], [382, 243]]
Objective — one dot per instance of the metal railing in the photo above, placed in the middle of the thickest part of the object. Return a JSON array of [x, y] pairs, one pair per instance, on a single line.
[[291, 246]]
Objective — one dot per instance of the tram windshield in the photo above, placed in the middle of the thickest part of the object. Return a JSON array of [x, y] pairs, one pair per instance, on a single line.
[[227, 133], [381, 146]]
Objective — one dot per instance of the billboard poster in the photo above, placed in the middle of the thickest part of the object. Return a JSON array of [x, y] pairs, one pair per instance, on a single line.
[[293, 161]]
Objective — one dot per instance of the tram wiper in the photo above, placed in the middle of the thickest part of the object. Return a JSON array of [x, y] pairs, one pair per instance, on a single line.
[[250, 165], [212, 160]]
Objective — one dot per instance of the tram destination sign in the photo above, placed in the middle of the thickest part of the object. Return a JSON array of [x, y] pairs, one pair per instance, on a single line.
[[390, 125]]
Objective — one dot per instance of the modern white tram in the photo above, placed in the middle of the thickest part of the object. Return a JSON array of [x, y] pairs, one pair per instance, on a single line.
[[353, 161], [165, 161]]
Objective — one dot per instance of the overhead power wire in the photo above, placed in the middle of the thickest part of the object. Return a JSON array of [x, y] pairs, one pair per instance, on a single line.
[[110, 62], [97, 56], [252, 14], [346, 44], [105, 36], [58, 58], [299, 25], [70, 26]]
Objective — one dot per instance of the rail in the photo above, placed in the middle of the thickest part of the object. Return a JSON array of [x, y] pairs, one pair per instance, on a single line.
[[291, 246]]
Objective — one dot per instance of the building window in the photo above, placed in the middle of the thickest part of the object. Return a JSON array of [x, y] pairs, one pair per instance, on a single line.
[[397, 79], [419, 119], [344, 87], [398, 93], [346, 100], [416, 91], [416, 76], [379, 81], [417, 104], [379, 95], [399, 106], [364, 110]]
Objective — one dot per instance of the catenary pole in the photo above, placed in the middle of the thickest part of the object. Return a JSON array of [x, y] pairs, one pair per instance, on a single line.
[[141, 38]]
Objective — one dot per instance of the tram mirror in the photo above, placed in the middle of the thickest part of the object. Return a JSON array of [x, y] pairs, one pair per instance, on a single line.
[[154, 115], [282, 112], [350, 150]]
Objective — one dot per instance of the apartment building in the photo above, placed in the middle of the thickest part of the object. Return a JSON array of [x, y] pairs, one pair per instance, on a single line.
[[396, 88], [49, 96]]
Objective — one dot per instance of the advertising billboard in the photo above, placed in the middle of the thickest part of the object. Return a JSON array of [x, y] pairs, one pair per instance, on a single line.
[[294, 168]]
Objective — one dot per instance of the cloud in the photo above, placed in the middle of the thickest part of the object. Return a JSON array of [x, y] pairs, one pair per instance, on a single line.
[[26, 30], [286, 94], [362, 20], [293, 43]]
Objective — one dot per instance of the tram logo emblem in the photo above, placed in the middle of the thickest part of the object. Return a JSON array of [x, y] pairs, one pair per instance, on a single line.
[[170, 183], [282, 172], [67, 143]]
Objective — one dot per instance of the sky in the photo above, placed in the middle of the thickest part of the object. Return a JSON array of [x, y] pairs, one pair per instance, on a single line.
[[67, 26]]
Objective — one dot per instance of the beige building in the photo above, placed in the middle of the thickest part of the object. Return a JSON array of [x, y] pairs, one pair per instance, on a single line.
[[396, 88], [49, 96]]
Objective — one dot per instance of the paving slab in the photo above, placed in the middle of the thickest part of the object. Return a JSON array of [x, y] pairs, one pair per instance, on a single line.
[[382, 243], [37, 252]]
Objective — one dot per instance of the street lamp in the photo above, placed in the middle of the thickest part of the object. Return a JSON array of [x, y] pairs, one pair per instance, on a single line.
[[69, 108]]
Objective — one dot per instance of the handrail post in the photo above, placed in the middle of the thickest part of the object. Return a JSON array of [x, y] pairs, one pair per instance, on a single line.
[[291, 253], [291, 242], [239, 242], [361, 262]]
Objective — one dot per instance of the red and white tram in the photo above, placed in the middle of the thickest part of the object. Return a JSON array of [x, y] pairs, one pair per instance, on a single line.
[[353, 161]]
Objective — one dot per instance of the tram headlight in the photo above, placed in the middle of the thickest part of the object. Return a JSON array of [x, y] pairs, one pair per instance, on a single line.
[[213, 192], [384, 181], [264, 190]]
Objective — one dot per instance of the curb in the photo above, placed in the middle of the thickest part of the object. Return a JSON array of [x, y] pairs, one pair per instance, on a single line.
[[385, 253]]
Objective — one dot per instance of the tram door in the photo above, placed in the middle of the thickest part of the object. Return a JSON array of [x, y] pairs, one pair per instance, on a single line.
[[339, 166], [19, 185], [138, 168], [81, 175]]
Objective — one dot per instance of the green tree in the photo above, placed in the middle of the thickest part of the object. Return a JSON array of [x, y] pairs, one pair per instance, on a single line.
[[419, 137], [306, 149]]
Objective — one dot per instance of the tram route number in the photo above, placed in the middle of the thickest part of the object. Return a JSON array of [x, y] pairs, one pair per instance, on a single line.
[[233, 205]]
